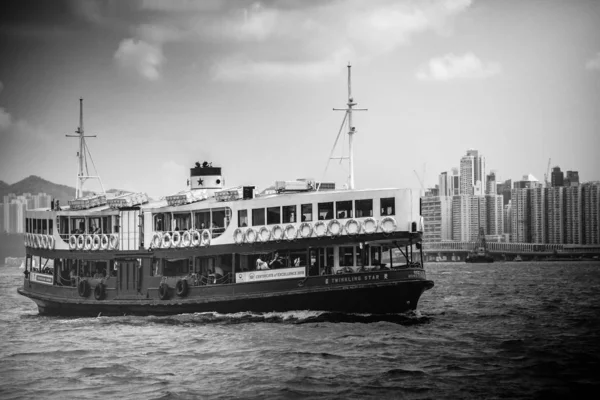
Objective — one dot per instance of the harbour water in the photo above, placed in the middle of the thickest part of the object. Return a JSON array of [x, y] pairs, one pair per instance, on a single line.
[[502, 330]]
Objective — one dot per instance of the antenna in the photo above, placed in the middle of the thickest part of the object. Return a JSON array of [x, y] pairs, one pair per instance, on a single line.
[[82, 157], [351, 129]]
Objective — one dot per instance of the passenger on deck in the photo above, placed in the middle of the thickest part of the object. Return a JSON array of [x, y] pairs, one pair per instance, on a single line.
[[276, 261], [260, 264], [73, 276]]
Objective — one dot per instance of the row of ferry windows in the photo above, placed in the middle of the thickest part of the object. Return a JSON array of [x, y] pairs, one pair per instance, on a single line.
[[39, 226], [73, 225], [343, 209], [214, 219]]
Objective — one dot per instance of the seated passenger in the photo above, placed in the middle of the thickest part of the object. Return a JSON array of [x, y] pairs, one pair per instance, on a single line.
[[260, 264]]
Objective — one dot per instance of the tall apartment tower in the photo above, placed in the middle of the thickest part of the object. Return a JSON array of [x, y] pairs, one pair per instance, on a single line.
[[508, 218], [538, 215], [490, 183], [454, 182], [472, 173], [469, 213], [556, 215], [443, 184], [572, 178], [591, 213], [495, 214], [437, 216], [557, 177], [574, 212], [520, 216]]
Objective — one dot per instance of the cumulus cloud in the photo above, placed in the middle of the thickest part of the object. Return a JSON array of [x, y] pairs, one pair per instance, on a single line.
[[594, 63], [450, 67], [143, 57], [270, 40]]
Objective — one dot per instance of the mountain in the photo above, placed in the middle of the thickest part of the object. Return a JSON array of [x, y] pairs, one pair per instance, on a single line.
[[34, 185]]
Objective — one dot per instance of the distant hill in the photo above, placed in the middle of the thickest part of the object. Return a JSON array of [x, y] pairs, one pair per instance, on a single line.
[[34, 185]]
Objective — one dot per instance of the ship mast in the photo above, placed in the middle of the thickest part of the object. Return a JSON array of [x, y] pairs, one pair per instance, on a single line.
[[82, 170], [351, 129]]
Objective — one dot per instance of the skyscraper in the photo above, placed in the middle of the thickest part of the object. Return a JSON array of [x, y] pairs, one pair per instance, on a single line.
[[469, 213], [538, 216], [573, 207], [591, 213], [472, 173], [495, 214], [490, 185], [437, 216], [556, 215], [572, 178], [520, 216], [557, 177]]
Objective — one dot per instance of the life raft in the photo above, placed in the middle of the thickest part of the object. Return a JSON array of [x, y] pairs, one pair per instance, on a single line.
[[290, 232], [100, 291], [388, 224], [334, 227], [163, 291], [370, 225], [181, 288], [83, 288]]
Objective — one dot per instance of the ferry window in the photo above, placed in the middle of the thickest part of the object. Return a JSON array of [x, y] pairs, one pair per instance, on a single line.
[[45, 226], [50, 232], [220, 221], [375, 255], [182, 222], [346, 256], [297, 258], [307, 212], [359, 256], [117, 224], [159, 222], [202, 219], [344, 209], [105, 225], [26, 225], [273, 215], [289, 214], [258, 216], [388, 206], [243, 218], [94, 225], [364, 208], [64, 226], [325, 210], [77, 225]]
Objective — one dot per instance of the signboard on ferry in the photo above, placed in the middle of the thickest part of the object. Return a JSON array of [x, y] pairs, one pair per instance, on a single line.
[[270, 274], [41, 278]]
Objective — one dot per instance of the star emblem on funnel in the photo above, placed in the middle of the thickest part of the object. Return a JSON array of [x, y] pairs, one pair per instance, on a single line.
[[200, 182]]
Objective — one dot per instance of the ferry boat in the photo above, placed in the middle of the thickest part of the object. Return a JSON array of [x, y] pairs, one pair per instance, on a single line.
[[302, 245]]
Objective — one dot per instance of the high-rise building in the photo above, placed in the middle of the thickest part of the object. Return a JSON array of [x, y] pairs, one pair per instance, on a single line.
[[472, 173], [520, 216], [508, 218], [444, 184], [538, 215], [469, 213], [557, 177], [454, 182], [574, 212], [528, 182], [437, 217], [572, 178], [591, 213], [505, 190], [490, 183], [556, 215], [495, 214]]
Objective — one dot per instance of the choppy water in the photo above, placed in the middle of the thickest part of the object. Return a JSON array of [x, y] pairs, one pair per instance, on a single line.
[[512, 330]]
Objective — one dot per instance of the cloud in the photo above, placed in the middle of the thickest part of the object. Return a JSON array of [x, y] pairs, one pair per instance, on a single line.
[[272, 40], [450, 67], [594, 63], [143, 57]]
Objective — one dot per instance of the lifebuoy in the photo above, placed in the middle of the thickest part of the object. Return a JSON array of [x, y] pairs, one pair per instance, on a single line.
[[205, 238], [100, 291], [51, 242], [175, 239], [88, 242], [290, 232], [195, 238], [277, 233], [104, 242], [113, 243], [370, 225], [320, 229], [163, 291], [238, 236], [26, 239], [250, 235], [38, 241], [264, 234], [181, 288], [186, 239], [334, 227], [72, 242], [80, 242], [43, 241], [388, 224], [83, 288], [305, 230], [96, 242], [166, 240], [156, 240], [352, 227]]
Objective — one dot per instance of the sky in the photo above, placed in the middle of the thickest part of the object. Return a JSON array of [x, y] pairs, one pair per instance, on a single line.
[[250, 86]]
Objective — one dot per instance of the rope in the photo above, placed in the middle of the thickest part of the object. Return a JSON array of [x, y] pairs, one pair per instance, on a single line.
[[333, 149]]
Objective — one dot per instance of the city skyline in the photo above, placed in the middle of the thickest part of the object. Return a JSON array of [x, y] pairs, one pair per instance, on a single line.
[[250, 86]]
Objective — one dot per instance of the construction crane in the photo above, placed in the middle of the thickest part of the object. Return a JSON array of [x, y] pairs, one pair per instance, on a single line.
[[547, 174]]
